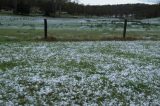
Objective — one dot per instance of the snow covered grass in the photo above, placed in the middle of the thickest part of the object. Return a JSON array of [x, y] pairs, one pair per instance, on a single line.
[[26, 22], [80, 73], [16, 28]]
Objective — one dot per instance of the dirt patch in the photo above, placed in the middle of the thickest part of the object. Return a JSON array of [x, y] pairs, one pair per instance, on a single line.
[[115, 38], [110, 38], [49, 39]]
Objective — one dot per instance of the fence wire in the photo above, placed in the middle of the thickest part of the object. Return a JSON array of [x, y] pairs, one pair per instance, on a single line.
[[81, 27]]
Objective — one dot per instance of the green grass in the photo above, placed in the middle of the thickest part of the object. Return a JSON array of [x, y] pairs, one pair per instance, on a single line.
[[33, 35], [37, 73], [19, 35], [121, 73], [73, 35], [27, 28]]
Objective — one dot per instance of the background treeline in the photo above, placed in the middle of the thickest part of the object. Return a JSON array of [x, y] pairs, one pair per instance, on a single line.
[[59, 7]]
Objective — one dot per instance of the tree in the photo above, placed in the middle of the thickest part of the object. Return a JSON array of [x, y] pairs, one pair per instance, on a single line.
[[15, 6], [60, 5], [54, 7], [22, 7], [50, 7]]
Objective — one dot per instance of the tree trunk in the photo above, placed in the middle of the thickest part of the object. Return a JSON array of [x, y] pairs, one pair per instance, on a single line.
[[15, 7], [60, 8], [54, 7]]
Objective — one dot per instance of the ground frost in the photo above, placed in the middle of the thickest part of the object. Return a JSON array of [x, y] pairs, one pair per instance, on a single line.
[[89, 73]]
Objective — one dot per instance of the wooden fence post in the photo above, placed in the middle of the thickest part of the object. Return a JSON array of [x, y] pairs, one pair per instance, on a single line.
[[125, 27], [45, 28]]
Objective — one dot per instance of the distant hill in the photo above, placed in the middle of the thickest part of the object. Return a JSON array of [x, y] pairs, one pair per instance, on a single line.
[[55, 8]]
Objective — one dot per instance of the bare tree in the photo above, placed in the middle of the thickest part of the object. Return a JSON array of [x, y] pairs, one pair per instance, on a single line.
[[76, 4], [15, 6], [60, 4], [54, 7]]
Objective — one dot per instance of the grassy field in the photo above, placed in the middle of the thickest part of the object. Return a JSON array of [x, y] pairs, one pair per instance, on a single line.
[[108, 73], [88, 73], [16, 28]]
